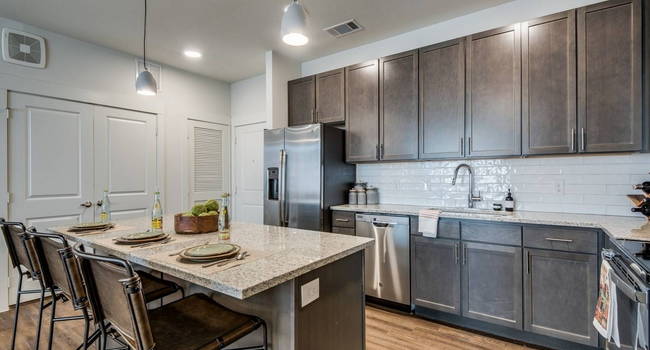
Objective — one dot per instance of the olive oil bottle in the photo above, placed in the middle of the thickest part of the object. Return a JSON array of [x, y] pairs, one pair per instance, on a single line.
[[156, 213], [105, 209]]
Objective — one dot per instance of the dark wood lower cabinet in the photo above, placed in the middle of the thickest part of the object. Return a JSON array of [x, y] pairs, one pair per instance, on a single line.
[[560, 292], [436, 274], [492, 281]]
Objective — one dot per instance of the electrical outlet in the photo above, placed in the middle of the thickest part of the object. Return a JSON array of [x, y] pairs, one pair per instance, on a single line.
[[558, 186], [309, 292]]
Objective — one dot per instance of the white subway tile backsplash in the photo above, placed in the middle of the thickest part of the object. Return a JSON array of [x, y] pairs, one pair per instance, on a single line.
[[589, 184]]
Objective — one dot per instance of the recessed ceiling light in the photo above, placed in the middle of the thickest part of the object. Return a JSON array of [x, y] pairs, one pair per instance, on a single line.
[[192, 54]]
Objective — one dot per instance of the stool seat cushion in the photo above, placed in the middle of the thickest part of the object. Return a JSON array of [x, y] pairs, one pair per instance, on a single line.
[[198, 322], [155, 288]]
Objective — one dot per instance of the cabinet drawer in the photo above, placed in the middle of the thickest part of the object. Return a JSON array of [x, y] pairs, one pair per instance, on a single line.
[[491, 233], [449, 229], [344, 230], [343, 219], [561, 238]]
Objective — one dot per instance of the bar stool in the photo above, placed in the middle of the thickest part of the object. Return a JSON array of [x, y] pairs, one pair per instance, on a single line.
[[60, 271], [195, 322], [21, 250]]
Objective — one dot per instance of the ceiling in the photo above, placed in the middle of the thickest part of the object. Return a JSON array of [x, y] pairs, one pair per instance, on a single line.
[[232, 34]]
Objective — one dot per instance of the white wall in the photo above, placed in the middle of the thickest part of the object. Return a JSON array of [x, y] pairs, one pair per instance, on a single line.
[[85, 72], [248, 101], [494, 17], [279, 70]]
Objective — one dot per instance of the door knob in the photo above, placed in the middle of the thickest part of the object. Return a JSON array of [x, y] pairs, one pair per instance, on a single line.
[[87, 204]]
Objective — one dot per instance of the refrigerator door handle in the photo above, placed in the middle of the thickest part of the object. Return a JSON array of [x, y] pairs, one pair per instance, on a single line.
[[285, 209], [282, 186]]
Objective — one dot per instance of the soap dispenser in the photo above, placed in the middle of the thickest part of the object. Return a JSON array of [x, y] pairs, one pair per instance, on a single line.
[[509, 203]]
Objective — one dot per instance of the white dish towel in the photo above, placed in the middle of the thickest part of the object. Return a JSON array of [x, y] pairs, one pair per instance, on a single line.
[[428, 222]]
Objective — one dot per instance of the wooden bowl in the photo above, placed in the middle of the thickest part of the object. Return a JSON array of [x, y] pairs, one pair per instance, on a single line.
[[195, 224]]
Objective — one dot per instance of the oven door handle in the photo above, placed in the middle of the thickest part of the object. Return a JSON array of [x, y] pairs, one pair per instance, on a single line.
[[629, 290], [625, 280]]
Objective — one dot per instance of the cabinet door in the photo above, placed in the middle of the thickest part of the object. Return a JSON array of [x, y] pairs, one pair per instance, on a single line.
[[492, 280], [362, 106], [560, 291], [609, 76], [494, 92], [442, 100], [302, 101], [398, 113], [549, 84], [330, 96], [436, 274]]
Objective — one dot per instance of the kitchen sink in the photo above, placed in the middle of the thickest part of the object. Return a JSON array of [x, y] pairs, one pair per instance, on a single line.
[[474, 211]]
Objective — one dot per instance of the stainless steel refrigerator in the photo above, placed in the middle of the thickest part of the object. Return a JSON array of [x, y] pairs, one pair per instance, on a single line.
[[304, 174]]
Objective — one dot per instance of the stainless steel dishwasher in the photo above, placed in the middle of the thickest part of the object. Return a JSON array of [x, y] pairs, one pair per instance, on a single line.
[[387, 262]]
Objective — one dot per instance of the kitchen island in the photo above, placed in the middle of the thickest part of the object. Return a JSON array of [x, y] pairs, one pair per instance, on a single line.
[[307, 285]]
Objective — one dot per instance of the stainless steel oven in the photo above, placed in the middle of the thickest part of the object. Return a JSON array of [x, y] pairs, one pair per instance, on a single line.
[[632, 286]]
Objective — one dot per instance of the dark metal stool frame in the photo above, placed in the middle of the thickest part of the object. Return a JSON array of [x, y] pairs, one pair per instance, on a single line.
[[132, 288], [73, 289], [33, 271]]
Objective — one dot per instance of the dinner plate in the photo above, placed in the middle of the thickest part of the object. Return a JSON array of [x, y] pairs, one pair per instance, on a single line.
[[121, 240], [209, 250], [141, 235], [232, 253], [90, 226]]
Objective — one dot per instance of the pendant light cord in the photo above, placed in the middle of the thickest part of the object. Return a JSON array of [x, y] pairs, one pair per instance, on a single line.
[[144, 41]]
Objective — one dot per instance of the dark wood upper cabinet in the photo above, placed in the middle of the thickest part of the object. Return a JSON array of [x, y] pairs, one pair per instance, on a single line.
[[609, 76], [549, 84], [330, 96], [493, 97], [398, 109], [302, 101], [442, 100], [362, 106]]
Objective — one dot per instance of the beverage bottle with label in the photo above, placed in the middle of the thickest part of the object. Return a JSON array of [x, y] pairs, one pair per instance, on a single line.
[[156, 213], [105, 209]]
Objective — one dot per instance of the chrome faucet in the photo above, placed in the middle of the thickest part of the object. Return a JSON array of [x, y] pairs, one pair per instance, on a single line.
[[471, 198]]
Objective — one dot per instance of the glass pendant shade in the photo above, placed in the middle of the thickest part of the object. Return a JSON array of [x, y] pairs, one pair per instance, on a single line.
[[294, 25]]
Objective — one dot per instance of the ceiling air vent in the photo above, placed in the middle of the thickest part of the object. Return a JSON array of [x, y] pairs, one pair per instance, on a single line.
[[345, 28]]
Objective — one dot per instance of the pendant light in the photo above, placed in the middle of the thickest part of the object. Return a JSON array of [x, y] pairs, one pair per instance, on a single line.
[[145, 84], [294, 24]]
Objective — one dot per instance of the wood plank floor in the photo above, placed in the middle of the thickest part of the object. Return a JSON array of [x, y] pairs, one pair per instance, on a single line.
[[385, 331]]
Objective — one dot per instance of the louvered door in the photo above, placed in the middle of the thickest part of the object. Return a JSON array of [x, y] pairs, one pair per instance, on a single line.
[[209, 159]]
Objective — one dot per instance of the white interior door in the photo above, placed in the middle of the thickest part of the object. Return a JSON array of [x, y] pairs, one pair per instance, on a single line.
[[125, 160], [209, 160], [248, 170], [50, 162]]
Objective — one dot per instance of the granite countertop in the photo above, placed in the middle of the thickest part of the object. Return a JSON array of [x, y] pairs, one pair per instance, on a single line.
[[278, 254], [618, 227]]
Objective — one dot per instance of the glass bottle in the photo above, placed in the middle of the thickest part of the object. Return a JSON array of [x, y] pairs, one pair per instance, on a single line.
[[105, 209], [156, 213]]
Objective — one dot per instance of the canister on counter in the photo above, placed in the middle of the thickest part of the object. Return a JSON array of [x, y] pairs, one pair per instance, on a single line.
[[372, 195], [353, 196], [361, 197]]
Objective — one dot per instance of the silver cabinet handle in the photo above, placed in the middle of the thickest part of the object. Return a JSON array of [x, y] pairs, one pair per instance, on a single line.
[[457, 253], [462, 146], [465, 254], [559, 240], [582, 139], [87, 204], [342, 220], [573, 139]]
